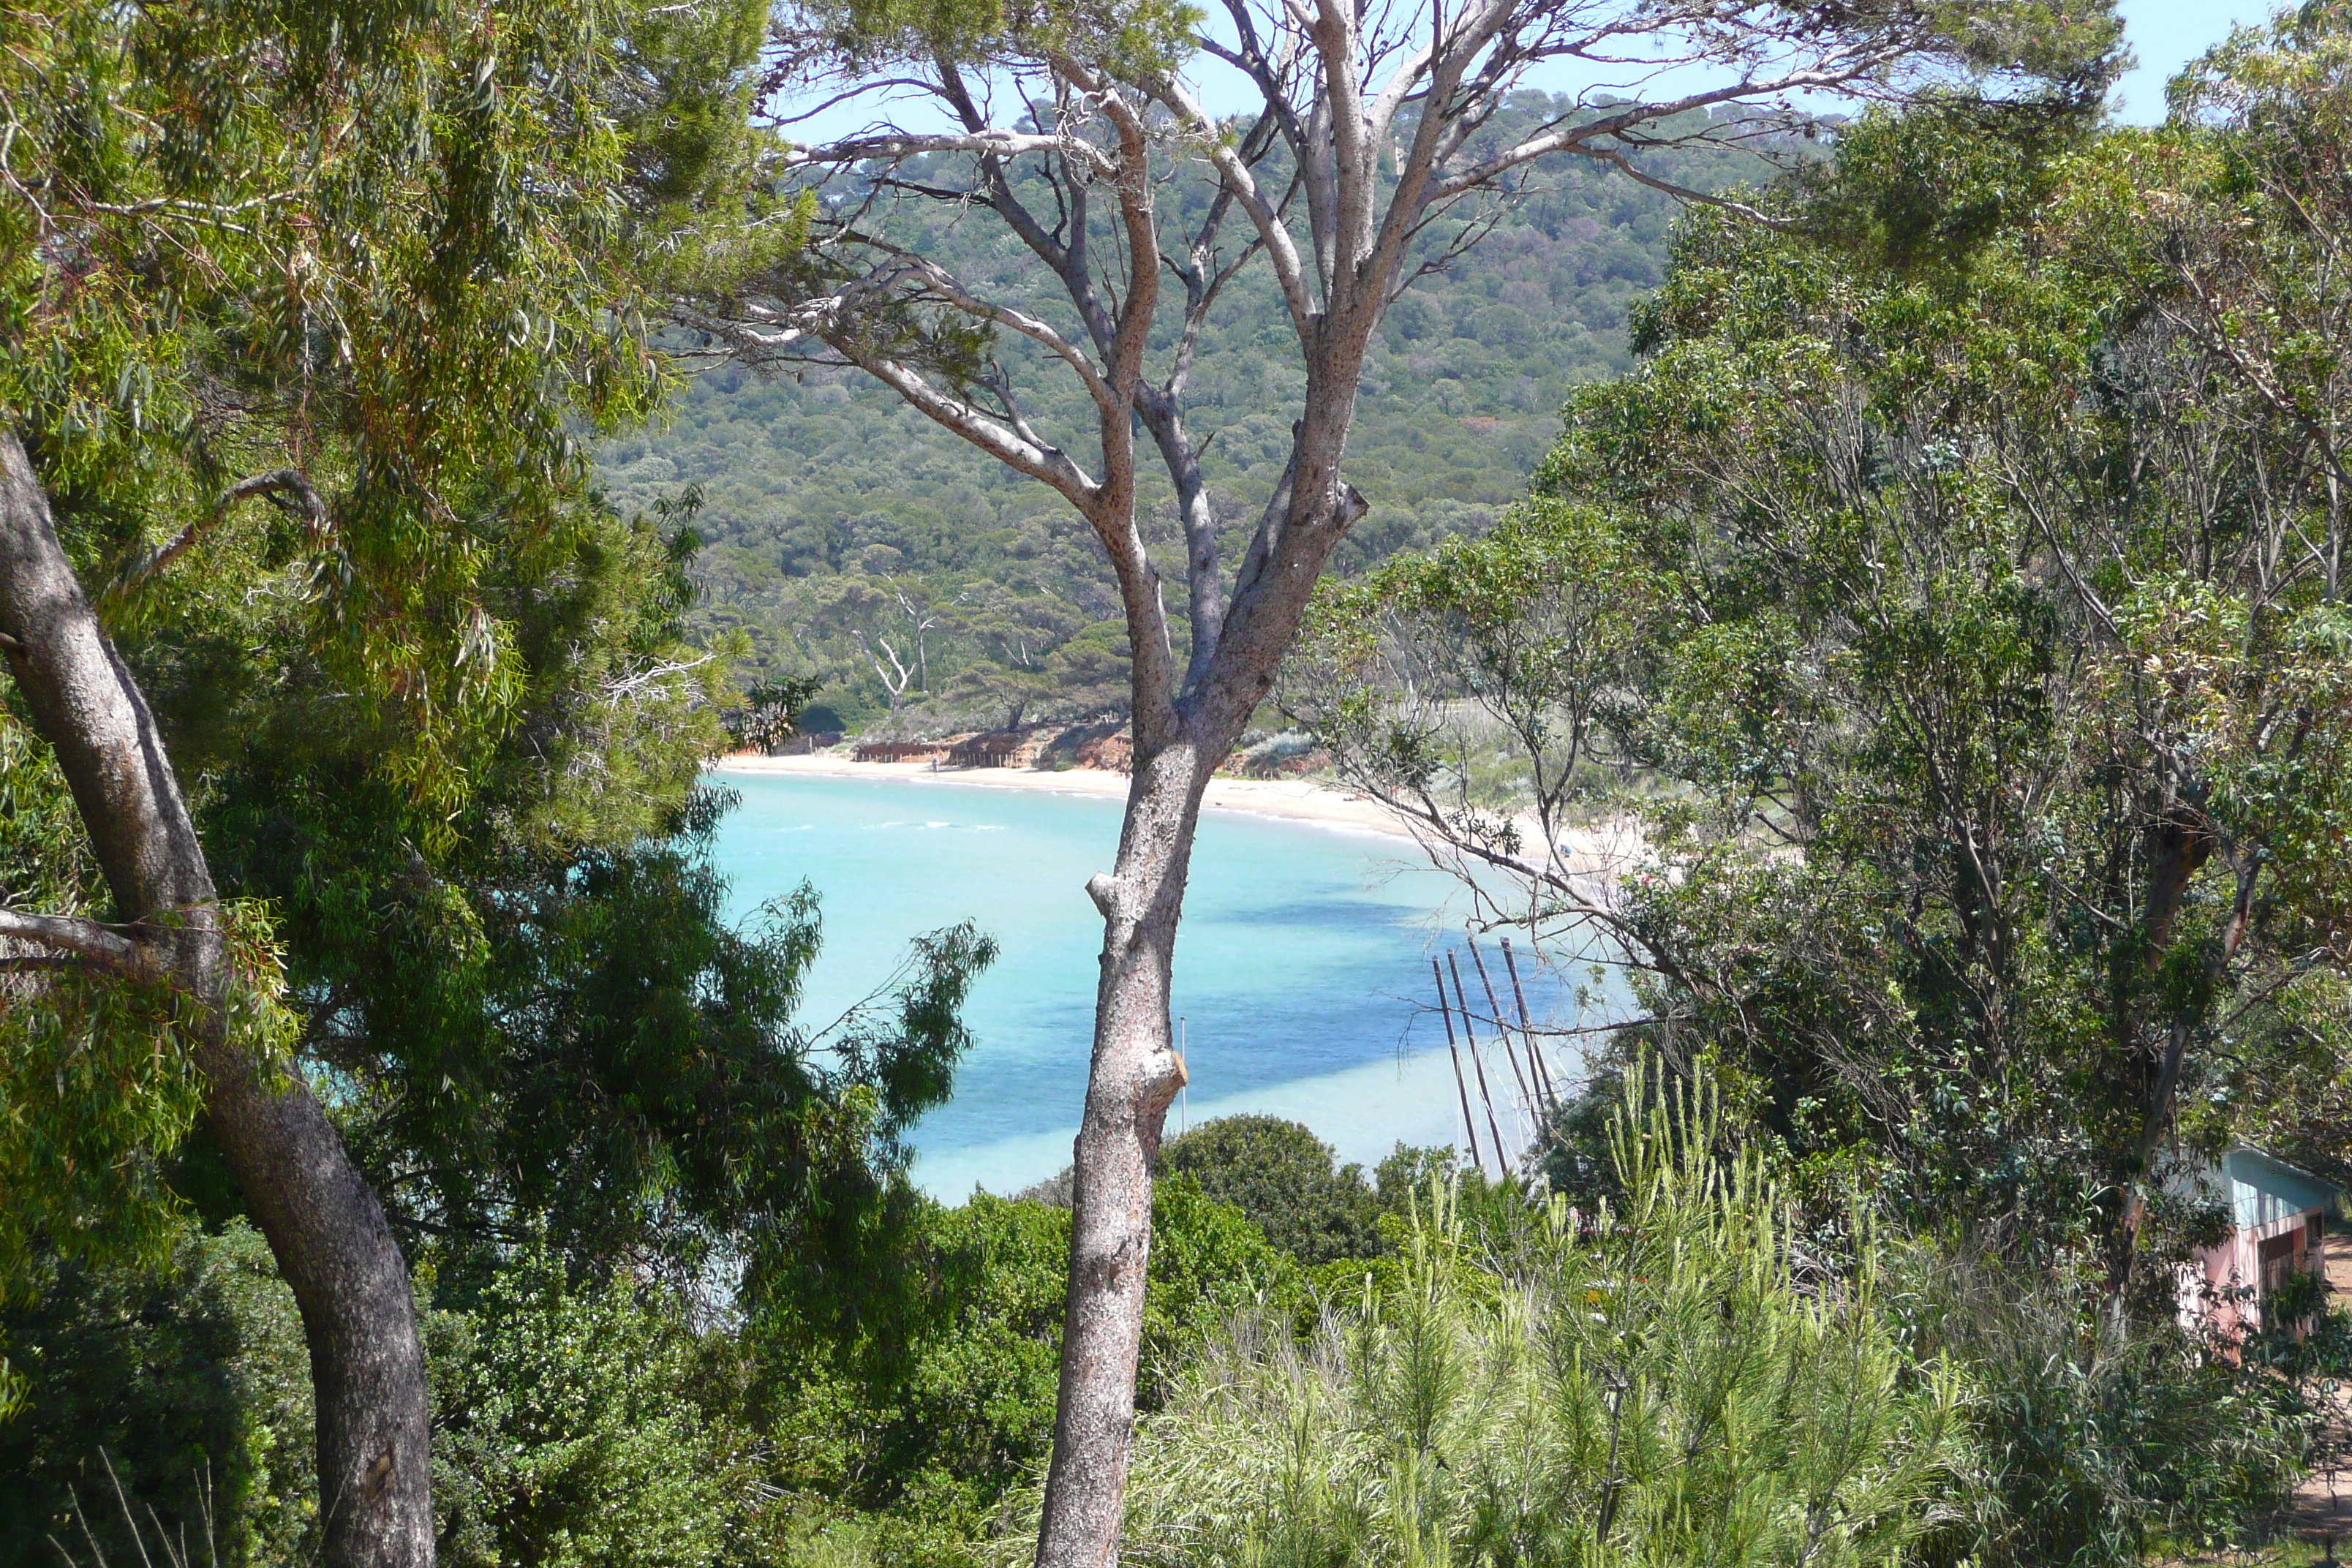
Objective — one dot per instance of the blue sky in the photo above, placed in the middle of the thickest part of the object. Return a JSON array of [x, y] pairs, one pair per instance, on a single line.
[[2167, 34]]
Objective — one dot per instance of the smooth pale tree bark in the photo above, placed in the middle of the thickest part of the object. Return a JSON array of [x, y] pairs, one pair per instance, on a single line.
[[1368, 120], [324, 1225]]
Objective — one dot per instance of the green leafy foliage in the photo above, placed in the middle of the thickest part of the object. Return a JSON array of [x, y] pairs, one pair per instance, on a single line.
[[912, 1440], [587, 1416], [1978, 688], [1953, 589], [1475, 688], [542, 1011], [579, 1040], [98, 1085], [1284, 1180], [1676, 1385], [365, 264], [1949, 678], [434, 704], [572, 1428], [577, 1420], [294, 234], [2093, 1437], [187, 1386]]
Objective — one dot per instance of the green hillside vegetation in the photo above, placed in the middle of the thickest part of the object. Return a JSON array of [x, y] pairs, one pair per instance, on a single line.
[[408, 1158], [829, 509]]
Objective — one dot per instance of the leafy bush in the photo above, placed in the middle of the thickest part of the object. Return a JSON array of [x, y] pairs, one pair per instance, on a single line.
[[573, 1422], [1677, 1386], [906, 1445], [2092, 1433], [191, 1383], [1285, 1180], [568, 1433]]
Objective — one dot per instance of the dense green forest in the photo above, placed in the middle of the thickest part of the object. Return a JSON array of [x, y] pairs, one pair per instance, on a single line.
[[829, 510], [1935, 562]]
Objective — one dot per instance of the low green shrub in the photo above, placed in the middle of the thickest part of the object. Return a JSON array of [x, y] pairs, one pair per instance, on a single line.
[[2092, 1435], [1677, 1384], [187, 1387], [904, 1450], [1288, 1182], [573, 1421], [571, 1430]]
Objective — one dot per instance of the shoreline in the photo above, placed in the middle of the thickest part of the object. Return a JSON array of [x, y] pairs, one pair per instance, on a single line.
[[1294, 800]]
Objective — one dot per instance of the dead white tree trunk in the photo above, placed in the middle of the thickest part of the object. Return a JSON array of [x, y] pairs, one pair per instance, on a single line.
[[895, 680]]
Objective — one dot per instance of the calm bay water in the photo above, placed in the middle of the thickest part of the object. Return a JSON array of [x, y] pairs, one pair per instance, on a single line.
[[1302, 972]]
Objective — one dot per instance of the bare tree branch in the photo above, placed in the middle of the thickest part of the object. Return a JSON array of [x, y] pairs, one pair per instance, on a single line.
[[71, 933], [278, 482]]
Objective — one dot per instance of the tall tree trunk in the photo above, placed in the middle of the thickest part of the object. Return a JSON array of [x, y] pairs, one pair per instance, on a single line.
[[323, 1224], [1133, 1078], [2124, 1252], [1135, 1071], [359, 1315]]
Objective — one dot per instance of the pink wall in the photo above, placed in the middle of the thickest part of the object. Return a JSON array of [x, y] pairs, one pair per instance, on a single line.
[[2235, 1266]]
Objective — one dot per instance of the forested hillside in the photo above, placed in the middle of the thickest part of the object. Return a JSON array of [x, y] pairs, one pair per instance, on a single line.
[[832, 513]]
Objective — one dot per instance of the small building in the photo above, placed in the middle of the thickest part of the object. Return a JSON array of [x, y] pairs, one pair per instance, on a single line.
[[994, 749], [2278, 1217], [901, 750]]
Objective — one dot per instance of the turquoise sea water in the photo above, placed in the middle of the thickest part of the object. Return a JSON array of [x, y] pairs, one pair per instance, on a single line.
[[1302, 971]]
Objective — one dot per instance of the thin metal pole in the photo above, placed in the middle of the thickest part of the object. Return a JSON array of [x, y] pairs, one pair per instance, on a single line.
[[1445, 1011], [1526, 1028], [1495, 1013], [1470, 1032]]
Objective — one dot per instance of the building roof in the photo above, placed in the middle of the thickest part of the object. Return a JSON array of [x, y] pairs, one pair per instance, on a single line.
[[2261, 1189]]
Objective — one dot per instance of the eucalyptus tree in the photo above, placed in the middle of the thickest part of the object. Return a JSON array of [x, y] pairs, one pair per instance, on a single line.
[[362, 264], [2240, 252], [1362, 163]]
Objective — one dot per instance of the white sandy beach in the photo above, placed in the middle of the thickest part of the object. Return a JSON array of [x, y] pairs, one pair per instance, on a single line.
[[1600, 852], [1295, 799]]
